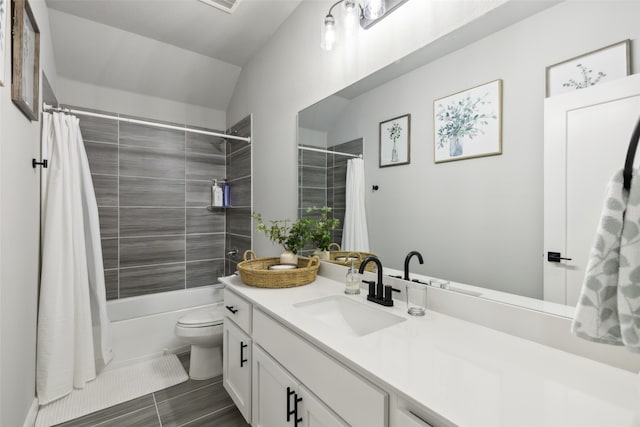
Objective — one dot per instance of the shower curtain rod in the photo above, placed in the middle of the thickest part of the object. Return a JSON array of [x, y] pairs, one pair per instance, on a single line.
[[320, 150], [47, 107]]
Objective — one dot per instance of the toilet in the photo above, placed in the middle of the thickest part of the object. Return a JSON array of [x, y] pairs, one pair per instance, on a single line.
[[203, 330]]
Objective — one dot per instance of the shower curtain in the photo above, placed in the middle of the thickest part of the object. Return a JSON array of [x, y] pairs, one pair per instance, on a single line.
[[354, 230], [73, 328]]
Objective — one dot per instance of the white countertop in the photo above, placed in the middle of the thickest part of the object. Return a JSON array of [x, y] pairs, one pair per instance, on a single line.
[[468, 374]]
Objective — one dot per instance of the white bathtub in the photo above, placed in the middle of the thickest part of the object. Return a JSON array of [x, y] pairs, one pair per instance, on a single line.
[[143, 327]]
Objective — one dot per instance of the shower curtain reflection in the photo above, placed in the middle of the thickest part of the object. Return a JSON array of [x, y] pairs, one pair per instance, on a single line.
[[355, 236]]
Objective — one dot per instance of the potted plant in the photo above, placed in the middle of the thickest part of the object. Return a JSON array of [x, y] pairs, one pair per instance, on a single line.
[[321, 231], [292, 235]]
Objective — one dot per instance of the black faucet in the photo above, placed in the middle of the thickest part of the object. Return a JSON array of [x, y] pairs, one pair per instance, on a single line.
[[406, 262], [380, 294]]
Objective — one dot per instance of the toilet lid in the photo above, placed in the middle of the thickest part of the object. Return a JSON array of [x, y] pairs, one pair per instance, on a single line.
[[201, 318]]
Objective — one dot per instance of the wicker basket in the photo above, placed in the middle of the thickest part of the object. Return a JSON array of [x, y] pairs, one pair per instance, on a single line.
[[347, 263], [255, 272]]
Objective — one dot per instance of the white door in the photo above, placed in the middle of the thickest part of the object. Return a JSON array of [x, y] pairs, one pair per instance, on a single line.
[[313, 413], [236, 367], [586, 135], [274, 393]]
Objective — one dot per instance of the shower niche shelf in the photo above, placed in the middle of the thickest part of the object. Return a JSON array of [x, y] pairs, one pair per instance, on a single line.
[[212, 208]]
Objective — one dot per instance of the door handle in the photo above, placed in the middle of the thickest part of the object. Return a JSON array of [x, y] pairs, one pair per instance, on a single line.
[[232, 309], [556, 257], [242, 359], [289, 411]]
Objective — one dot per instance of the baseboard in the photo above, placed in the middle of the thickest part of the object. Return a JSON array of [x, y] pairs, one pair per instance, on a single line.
[[30, 421]]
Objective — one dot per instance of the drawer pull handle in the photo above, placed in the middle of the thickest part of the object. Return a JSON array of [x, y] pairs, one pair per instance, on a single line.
[[232, 309], [289, 411], [242, 359], [296, 419]]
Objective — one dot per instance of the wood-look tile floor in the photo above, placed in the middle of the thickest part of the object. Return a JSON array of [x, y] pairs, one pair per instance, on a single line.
[[190, 404]]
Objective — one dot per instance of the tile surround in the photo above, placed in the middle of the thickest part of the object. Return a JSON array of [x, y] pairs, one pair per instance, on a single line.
[[158, 278], [139, 251], [151, 163], [322, 181], [152, 187]]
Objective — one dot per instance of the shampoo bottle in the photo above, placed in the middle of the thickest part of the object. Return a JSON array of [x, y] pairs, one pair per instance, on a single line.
[[226, 193], [216, 194]]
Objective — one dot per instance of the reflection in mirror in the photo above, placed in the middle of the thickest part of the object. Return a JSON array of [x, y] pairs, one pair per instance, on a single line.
[[476, 221]]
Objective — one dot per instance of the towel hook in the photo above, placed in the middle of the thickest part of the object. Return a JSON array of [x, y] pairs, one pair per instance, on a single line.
[[631, 153]]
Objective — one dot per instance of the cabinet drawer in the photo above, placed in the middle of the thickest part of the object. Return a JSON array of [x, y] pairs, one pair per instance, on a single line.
[[238, 309], [356, 400]]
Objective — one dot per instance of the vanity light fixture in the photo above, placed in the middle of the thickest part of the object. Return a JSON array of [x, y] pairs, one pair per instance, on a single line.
[[364, 12]]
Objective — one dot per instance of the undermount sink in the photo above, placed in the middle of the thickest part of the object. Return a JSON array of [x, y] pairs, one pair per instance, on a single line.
[[343, 313]]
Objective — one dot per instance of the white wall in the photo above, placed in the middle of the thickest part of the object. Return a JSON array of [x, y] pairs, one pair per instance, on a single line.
[[484, 214], [291, 73], [107, 99], [19, 239], [98, 54], [313, 137]]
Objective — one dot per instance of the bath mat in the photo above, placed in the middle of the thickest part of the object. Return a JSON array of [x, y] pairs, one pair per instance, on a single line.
[[113, 387]]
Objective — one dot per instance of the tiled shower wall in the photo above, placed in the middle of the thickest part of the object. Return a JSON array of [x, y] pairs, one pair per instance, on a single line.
[[238, 229], [153, 186], [322, 180]]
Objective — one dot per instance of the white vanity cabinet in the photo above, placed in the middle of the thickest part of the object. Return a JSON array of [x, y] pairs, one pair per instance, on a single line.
[[237, 349], [293, 383], [280, 400]]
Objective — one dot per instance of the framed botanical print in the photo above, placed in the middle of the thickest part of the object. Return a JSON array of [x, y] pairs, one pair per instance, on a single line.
[[590, 69], [25, 79], [468, 124], [395, 141]]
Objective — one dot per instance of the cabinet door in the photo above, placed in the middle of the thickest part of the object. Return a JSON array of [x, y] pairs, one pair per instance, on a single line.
[[236, 367], [314, 413], [274, 393]]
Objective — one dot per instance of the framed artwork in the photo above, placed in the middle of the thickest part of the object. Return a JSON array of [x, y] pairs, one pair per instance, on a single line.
[[395, 140], [596, 67], [468, 124], [3, 37], [25, 80]]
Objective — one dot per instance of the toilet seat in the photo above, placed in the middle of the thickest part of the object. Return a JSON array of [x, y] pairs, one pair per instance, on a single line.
[[201, 319]]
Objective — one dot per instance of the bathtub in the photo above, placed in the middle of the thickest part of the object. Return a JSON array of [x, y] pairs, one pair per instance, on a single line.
[[142, 327]]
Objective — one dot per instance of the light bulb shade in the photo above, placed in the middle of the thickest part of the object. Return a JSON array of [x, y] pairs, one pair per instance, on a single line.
[[373, 9], [328, 36], [350, 18]]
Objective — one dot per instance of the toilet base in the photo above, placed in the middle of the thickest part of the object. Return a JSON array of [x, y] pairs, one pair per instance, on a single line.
[[205, 363]]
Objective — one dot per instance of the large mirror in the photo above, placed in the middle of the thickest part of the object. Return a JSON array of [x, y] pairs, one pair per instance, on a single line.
[[476, 221]]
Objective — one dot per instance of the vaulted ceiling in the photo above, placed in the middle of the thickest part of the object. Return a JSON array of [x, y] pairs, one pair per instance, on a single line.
[[182, 50]]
